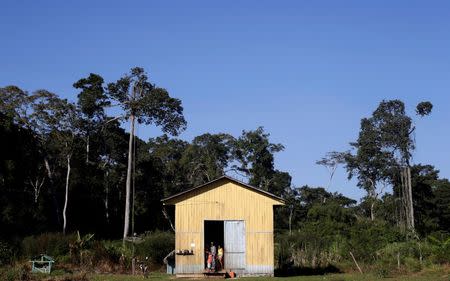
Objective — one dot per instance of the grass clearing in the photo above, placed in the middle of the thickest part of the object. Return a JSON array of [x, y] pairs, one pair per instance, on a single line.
[[433, 273], [437, 274]]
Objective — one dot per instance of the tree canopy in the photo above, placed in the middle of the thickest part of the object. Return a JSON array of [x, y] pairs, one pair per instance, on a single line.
[[71, 165]]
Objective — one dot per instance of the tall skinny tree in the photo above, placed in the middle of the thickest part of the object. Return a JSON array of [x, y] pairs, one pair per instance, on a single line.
[[145, 103], [58, 122]]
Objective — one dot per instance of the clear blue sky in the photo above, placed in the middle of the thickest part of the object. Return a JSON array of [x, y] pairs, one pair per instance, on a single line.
[[307, 71]]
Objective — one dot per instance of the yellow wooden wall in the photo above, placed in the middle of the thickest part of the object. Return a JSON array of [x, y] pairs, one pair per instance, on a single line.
[[224, 200]]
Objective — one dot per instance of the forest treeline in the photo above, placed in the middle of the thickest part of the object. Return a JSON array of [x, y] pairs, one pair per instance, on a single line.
[[65, 164], [71, 166]]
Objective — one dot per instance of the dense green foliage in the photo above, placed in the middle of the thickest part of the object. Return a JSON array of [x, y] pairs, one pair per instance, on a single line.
[[50, 144], [53, 244], [155, 245]]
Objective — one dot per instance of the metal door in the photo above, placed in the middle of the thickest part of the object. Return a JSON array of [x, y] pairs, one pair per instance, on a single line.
[[234, 244]]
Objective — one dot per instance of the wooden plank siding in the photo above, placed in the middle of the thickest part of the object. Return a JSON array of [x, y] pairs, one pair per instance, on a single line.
[[225, 200]]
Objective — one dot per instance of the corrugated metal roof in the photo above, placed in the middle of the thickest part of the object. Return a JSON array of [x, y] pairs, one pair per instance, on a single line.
[[268, 194]]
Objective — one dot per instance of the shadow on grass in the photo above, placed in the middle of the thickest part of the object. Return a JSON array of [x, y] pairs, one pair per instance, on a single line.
[[305, 271]]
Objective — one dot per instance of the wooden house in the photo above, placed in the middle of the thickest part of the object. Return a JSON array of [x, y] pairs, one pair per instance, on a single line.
[[229, 213]]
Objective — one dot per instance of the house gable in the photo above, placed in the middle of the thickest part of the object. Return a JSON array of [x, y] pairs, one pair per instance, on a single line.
[[223, 182]]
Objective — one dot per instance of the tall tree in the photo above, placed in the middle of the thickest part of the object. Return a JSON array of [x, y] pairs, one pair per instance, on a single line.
[[143, 102], [167, 154], [255, 154], [92, 101], [113, 161], [383, 151], [34, 113], [207, 157], [370, 164], [58, 122], [20, 203], [15, 105], [423, 178]]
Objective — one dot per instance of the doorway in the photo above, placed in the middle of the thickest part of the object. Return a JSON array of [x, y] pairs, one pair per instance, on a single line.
[[230, 235], [214, 232]]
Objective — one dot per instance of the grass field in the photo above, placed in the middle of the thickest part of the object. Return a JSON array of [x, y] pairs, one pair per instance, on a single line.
[[428, 275], [435, 273]]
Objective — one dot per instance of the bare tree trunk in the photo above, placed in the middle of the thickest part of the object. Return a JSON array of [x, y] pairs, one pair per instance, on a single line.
[[410, 200], [66, 200], [372, 211], [87, 149], [128, 182], [37, 185], [402, 195], [106, 197], [53, 192], [407, 201], [166, 215], [398, 208], [373, 196], [291, 211]]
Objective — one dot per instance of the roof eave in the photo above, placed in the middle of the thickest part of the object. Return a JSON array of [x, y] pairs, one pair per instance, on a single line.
[[167, 200]]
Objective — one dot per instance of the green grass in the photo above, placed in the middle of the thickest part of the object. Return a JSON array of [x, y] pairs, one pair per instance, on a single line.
[[120, 277], [428, 275], [436, 273]]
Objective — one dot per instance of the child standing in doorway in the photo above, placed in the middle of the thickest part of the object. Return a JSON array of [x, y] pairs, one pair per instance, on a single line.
[[220, 256], [209, 261]]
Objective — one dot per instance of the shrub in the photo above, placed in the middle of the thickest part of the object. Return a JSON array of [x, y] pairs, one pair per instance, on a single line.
[[6, 253], [412, 264], [283, 252], [52, 244], [15, 273], [439, 247], [403, 256], [382, 271], [366, 239], [304, 249], [80, 249], [327, 243], [102, 251], [114, 249], [156, 245]]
